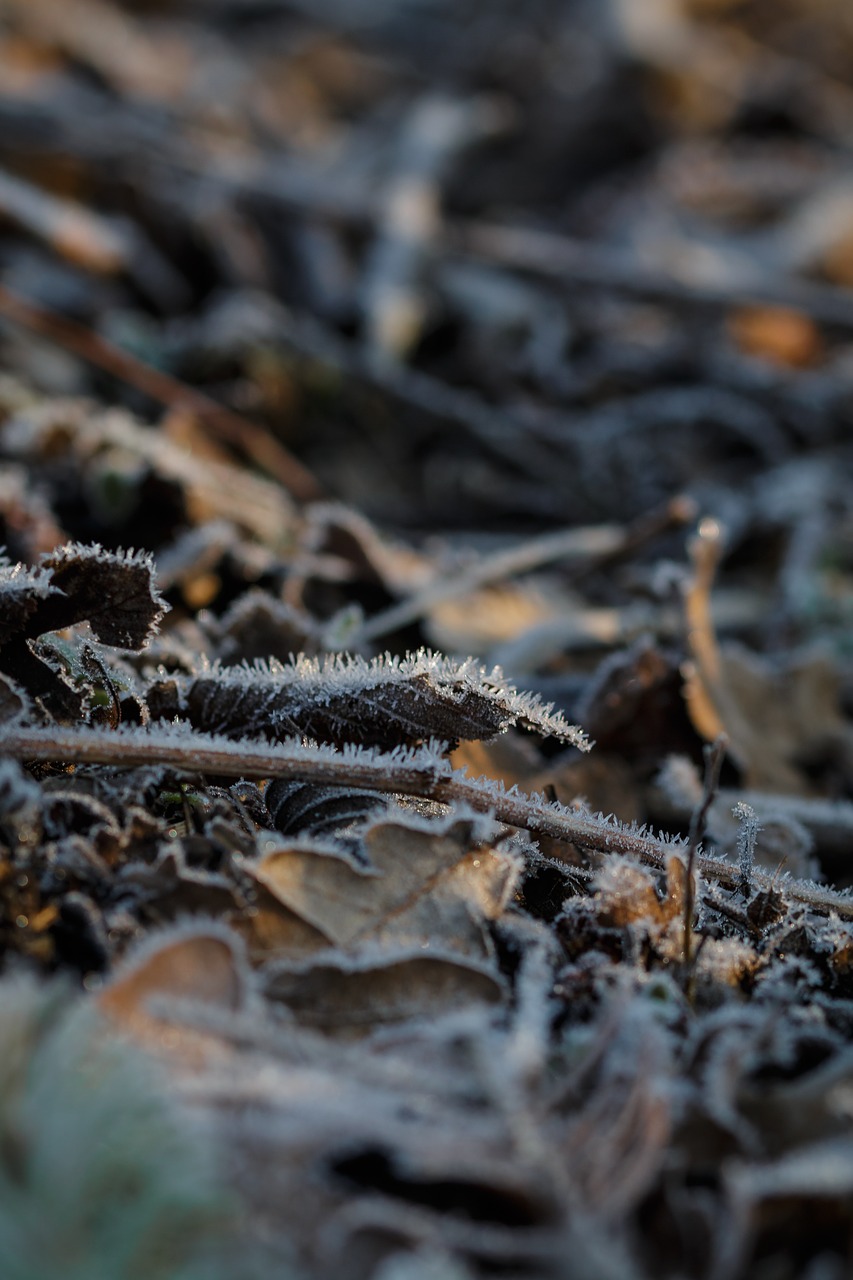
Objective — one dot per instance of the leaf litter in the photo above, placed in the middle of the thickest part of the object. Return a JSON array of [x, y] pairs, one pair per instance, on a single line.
[[429, 850]]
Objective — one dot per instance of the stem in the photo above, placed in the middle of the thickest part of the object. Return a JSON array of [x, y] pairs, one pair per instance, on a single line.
[[223, 422], [417, 773], [714, 755]]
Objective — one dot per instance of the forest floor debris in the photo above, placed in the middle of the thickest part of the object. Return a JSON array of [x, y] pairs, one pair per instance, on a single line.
[[426, 700]]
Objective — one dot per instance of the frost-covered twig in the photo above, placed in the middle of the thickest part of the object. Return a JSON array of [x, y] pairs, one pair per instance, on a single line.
[[746, 838], [421, 771], [714, 755]]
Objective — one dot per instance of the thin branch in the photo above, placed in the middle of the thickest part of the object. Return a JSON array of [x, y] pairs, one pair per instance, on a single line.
[[421, 772], [714, 755], [588, 546], [78, 234], [577, 262], [237, 431], [565, 544]]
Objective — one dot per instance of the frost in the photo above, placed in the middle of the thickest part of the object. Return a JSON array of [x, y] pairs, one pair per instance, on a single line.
[[112, 590], [22, 591], [18, 791], [348, 699], [746, 838]]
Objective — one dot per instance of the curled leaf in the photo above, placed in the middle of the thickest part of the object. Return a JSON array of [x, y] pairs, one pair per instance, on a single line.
[[194, 965], [22, 592], [113, 590]]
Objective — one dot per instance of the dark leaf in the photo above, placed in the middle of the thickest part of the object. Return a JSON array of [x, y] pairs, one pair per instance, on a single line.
[[112, 590], [22, 592], [385, 703]]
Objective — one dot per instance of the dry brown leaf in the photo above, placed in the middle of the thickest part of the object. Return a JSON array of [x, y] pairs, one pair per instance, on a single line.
[[625, 892], [510, 759], [420, 886], [171, 888], [358, 996], [269, 928], [626, 898], [193, 966], [778, 334], [776, 717], [488, 617]]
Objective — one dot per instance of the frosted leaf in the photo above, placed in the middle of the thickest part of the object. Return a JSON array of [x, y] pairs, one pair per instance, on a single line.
[[625, 892], [381, 703], [786, 977], [22, 592], [258, 626], [18, 791], [199, 964], [725, 961], [298, 806], [427, 886], [102, 1168], [14, 703], [112, 590]]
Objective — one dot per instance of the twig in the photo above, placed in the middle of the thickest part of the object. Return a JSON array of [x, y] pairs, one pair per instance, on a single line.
[[746, 839], [542, 254], [419, 773], [576, 262], [393, 295], [75, 232], [566, 544], [254, 440], [103, 245], [592, 547], [714, 754], [703, 688]]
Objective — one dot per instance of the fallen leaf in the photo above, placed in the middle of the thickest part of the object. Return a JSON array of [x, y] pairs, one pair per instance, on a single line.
[[190, 965], [342, 995], [419, 885]]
